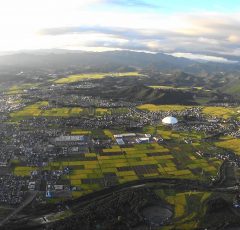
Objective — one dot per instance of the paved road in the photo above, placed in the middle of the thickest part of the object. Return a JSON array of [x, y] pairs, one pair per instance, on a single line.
[[28, 200]]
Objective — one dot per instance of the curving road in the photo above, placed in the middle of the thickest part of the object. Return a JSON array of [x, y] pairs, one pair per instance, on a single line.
[[101, 194], [28, 200]]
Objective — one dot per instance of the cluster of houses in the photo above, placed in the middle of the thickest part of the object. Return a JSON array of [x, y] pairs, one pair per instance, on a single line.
[[90, 101], [12, 189], [8, 103], [36, 141]]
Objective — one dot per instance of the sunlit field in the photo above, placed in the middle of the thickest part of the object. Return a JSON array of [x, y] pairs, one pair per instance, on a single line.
[[221, 112], [23, 170], [187, 207], [136, 162], [40, 109], [232, 144], [152, 107], [79, 77]]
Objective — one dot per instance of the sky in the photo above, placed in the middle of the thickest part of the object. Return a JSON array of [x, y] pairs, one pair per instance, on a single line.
[[189, 28]]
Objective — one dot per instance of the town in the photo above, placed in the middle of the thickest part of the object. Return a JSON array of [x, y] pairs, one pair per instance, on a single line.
[[58, 144], [32, 143]]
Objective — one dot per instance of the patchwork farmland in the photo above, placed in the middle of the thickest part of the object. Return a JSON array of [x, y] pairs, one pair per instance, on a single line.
[[119, 164]]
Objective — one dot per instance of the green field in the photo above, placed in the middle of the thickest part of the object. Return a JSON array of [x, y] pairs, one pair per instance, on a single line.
[[212, 111], [189, 207], [79, 77], [42, 109], [223, 112], [152, 107], [230, 143], [37, 109], [175, 160], [136, 162], [80, 132], [23, 170], [18, 89]]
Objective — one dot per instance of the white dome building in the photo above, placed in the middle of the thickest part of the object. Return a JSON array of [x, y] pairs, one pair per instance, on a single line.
[[169, 120]]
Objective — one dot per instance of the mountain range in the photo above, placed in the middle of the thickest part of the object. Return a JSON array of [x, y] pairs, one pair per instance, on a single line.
[[112, 60]]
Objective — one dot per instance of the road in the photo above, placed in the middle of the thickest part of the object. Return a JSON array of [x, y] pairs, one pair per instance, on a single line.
[[28, 200], [76, 204], [185, 184]]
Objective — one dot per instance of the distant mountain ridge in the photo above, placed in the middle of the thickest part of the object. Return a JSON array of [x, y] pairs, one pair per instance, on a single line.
[[112, 60]]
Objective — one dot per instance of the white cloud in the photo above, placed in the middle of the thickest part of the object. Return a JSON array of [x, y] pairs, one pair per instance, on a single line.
[[79, 24], [203, 57], [234, 39]]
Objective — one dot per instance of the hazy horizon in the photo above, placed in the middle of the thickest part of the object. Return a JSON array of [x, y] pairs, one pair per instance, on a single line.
[[184, 28]]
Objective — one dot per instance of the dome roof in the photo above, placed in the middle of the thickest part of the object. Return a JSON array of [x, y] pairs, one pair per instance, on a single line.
[[169, 120]]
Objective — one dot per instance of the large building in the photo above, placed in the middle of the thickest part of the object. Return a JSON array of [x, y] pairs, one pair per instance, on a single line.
[[169, 120], [70, 138]]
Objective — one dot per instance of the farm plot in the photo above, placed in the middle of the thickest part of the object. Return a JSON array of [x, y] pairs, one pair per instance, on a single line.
[[119, 165], [188, 207], [152, 107], [232, 144], [79, 77], [40, 109], [167, 133], [23, 170], [222, 112]]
